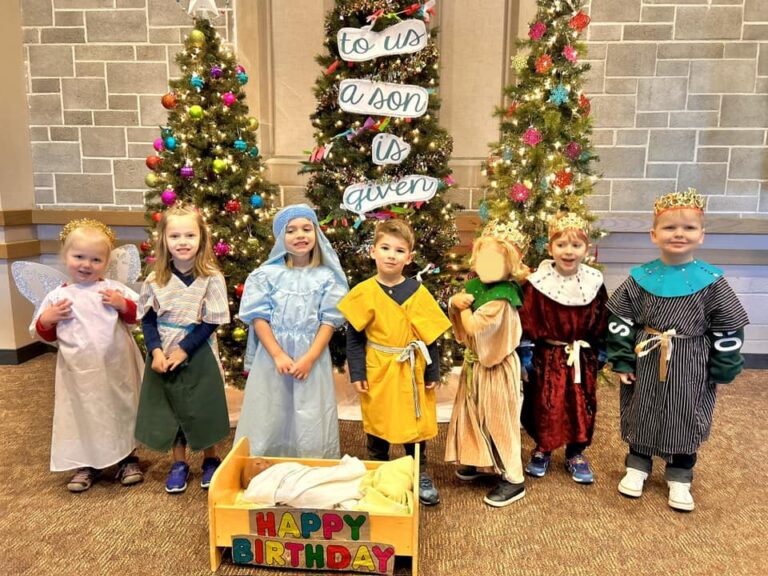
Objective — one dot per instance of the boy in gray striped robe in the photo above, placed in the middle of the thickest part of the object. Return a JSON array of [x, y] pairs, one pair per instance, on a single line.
[[675, 333]]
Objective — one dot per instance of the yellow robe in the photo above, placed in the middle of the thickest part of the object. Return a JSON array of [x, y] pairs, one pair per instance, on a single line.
[[388, 407]]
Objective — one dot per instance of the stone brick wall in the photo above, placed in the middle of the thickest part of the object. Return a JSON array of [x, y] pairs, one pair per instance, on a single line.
[[95, 73], [680, 98]]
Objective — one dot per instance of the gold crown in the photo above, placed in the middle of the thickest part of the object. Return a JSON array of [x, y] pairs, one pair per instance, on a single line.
[[506, 232], [678, 200], [73, 225], [568, 221]]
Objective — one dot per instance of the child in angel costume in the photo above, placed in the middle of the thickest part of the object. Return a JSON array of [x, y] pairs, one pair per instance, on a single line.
[[564, 314], [289, 408], [394, 324], [484, 433], [98, 366], [183, 301], [675, 333]]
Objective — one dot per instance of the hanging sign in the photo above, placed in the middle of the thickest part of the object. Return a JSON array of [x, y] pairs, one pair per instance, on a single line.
[[382, 98], [389, 149], [361, 44], [363, 197]]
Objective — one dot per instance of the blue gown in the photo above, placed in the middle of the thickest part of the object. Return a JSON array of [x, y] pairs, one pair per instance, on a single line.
[[282, 416]]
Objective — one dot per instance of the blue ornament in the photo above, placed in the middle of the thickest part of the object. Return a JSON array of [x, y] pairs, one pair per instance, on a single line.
[[541, 245], [170, 143], [242, 77], [197, 82], [585, 156], [559, 94], [166, 132], [483, 211], [544, 184], [507, 153], [257, 201], [241, 145], [254, 151]]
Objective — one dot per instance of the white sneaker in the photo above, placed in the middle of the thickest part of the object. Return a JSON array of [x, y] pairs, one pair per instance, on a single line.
[[680, 496], [632, 483]]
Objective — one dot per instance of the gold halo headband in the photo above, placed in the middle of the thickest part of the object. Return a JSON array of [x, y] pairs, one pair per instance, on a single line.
[[73, 225]]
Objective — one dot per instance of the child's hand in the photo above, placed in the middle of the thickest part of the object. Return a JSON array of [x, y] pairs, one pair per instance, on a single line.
[[114, 299], [626, 378], [55, 313], [283, 363], [159, 361], [361, 386], [175, 358], [430, 385], [302, 367], [462, 301]]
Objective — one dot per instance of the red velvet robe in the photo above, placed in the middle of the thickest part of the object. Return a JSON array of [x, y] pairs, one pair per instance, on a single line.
[[556, 410]]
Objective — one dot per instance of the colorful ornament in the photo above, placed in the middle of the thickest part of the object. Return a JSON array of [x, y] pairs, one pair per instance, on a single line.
[[257, 201], [216, 72], [228, 98], [157, 216], [221, 249], [570, 54], [197, 38], [168, 101], [537, 31], [242, 77], [219, 165], [145, 246], [563, 178], [170, 143], [232, 206], [168, 197], [158, 144], [541, 244], [241, 145], [187, 172], [483, 211], [559, 94], [512, 108], [585, 105], [239, 334], [253, 124], [532, 137], [579, 22], [520, 62], [572, 150], [254, 152], [519, 192], [543, 63], [196, 112], [154, 162], [166, 132], [151, 179], [239, 69], [197, 82], [239, 290]]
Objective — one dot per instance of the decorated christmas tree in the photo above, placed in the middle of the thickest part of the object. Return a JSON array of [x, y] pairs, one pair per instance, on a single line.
[[207, 155], [380, 152], [542, 163]]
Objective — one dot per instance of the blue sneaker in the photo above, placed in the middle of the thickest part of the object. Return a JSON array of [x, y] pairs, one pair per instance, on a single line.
[[209, 467], [538, 464], [177, 478], [579, 469], [428, 494]]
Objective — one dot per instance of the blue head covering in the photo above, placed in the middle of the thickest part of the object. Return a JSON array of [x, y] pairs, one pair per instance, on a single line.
[[279, 251]]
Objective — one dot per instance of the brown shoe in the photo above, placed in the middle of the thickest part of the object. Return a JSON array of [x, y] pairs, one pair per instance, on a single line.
[[82, 480], [129, 473]]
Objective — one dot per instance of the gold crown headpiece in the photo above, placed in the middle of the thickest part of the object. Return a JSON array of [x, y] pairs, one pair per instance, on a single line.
[[506, 232], [568, 221], [73, 225], [679, 200]]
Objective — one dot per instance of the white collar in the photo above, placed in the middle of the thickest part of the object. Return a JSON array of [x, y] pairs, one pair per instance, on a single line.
[[576, 290]]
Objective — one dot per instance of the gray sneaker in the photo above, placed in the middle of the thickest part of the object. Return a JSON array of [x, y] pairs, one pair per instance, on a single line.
[[428, 494]]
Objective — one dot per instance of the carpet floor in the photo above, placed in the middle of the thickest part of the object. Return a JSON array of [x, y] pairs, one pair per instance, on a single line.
[[559, 528]]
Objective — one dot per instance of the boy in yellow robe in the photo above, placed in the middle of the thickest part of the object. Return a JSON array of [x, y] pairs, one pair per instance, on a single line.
[[392, 351]]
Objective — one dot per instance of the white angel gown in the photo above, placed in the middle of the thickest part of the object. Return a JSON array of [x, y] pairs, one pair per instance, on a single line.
[[98, 376]]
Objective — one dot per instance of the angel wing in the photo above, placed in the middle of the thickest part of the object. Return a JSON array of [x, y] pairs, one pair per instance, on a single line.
[[35, 280], [124, 264]]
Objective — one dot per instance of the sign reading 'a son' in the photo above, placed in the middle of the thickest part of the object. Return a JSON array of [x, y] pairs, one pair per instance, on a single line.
[[361, 44], [363, 197], [382, 98]]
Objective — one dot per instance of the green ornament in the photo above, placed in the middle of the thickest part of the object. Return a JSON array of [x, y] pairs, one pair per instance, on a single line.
[[239, 335], [519, 62], [195, 112], [253, 124], [219, 165], [139, 337], [151, 179], [197, 38]]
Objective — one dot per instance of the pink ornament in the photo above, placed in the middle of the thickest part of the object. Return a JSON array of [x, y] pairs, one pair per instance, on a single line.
[[187, 172], [519, 192], [573, 150], [537, 31], [228, 98], [150, 259], [158, 144], [221, 249], [168, 197], [239, 69], [532, 137], [570, 54]]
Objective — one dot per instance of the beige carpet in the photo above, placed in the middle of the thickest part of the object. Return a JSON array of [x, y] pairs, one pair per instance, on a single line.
[[559, 528]]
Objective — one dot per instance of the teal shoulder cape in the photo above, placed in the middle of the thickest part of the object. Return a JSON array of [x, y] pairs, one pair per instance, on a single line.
[[669, 281], [484, 293]]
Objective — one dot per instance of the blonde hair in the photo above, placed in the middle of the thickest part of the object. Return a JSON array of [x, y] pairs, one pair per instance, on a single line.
[[700, 213], [85, 232], [205, 262], [518, 271], [315, 257], [397, 228]]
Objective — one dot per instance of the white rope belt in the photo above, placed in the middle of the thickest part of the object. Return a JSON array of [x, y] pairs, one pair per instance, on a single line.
[[574, 355], [408, 353]]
